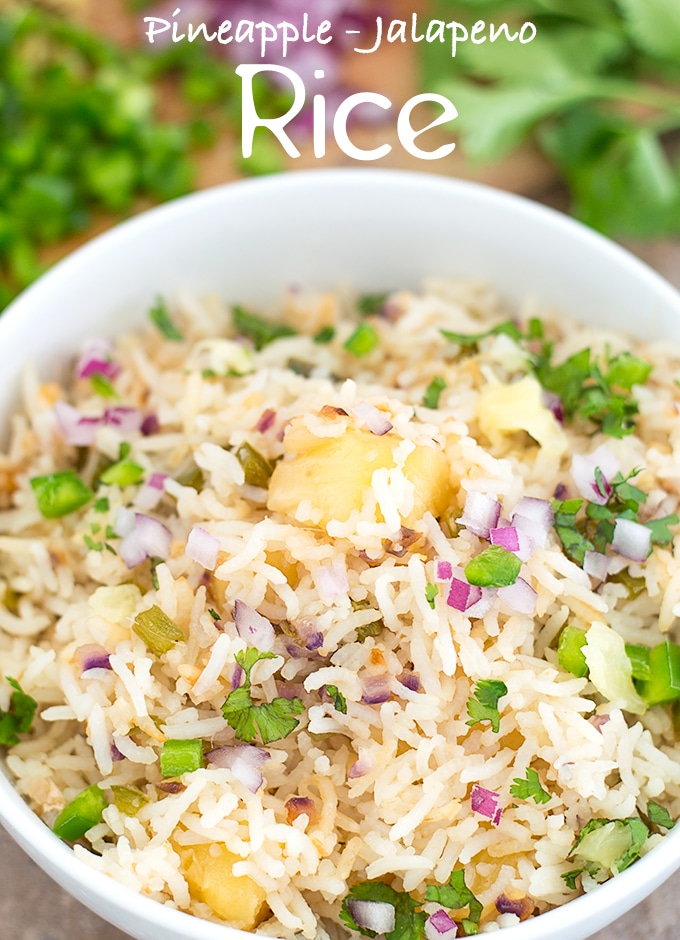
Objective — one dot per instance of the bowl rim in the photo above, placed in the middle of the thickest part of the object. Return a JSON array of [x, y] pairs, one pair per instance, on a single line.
[[99, 891]]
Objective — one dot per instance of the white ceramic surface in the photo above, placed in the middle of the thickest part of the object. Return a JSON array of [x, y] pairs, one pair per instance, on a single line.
[[371, 229]]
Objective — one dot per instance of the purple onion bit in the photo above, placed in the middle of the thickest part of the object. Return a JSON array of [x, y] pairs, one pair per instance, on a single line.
[[462, 595], [486, 803], [301, 806], [377, 689], [561, 491], [171, 786], [439, 926], [522, 907], [150, 425], [410, 680], [115, 753], [267, 419]]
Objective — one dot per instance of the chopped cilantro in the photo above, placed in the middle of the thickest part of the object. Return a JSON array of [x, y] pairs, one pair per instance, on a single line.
[[456, 895], [659, 815], [409, 922], [124, 473], [362, 341], [160, 317], [371, 303], [494, 567], [91, 545], [529, 787], [339, 700], [431, 591], [596, 848], [469, 342], [273, 720], [213, 613], [325, 335], [19, 717], [255, 328], [102, 505], [661, 534], [102, 386], [433, 392], [570, 877], [483, 703]]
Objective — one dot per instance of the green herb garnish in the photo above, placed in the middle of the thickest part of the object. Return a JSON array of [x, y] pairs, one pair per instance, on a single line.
[[59, 494], [181, 757], [409, 922], [157, 630], [433, 392], [610, 845], [325, 335], [431, 591], [255, 328], [570, 651], [102, 386], [81, 814], [456, 895], [529, 787], [19, 716], [160, 317], [369, 304], [339, 700], [469, 342], [213, 613], [494, 567], [124, 473], [272, 720], [362, 341], [659, 815], [483, 704]]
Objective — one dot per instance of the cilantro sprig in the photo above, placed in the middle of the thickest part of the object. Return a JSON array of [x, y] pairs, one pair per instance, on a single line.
[[271, 720], [456, 895], [483, 703], [409, 922], [529, 787], [19, 716]]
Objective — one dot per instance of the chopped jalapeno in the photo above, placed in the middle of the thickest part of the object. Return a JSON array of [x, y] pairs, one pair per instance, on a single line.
[[362, 341], [157, 630], [639, 660], [58, 494], [81, 814], [570, 651], [663, 684], [123, 473], [257, 469], [181, 757]]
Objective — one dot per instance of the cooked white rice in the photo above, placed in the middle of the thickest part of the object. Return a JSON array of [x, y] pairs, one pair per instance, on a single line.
[[407, 819]]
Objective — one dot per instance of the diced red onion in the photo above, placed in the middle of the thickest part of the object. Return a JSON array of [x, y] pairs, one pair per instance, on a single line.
[[583, 473], [253, 627], [482, 607], [236, 677], [554, 405], [202, 546], [127, 420], [290, 690], [148, 539], [267, 419], [331, 582], [521, 907], [410, 680], [244, 761], [314, 641], [481, 513], [374, 419], [96, 347], [364, 765], [378, 916], [92, 656], [561, 492], [105, 367], [520, 597], [150, 425], [486, 803], [632, 540], [599, 721], [149, 495], [439, 926], [377, 689], [462, 595], [514, 539], [115, 753], [534, 517], [444, 570], [124, 521], [596, 565], [81, 430]]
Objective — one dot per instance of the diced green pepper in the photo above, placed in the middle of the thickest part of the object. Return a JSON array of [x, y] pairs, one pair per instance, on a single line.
[[81, 814], [124, 473], [570, 651], [362, 341], [181, 757], [663, 684], [157, 630], [639, 660], [58, 494], [257, 469]]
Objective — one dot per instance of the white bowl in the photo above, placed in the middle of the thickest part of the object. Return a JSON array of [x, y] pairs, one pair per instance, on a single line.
[[371, 229]]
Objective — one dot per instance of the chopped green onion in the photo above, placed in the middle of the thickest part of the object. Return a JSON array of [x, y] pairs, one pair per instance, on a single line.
[[81, 814], [369, 304], [160, 318], [58, 494], [255, 328], [124, 473], [663, 684], [257, 469], [433, 392], [157, 630], [639, 660], [102, 386], [325, 335], [495, 567], [213, 613], [362, 341], [128, 800], [570, 651], [181, 757]]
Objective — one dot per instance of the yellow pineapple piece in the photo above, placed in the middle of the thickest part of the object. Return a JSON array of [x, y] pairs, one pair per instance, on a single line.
[[208, 870], [333, 473], [520, 407]]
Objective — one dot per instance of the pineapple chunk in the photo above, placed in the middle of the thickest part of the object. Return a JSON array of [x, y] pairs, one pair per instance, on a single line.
[[520, 407], [334, 473], [208, 872]]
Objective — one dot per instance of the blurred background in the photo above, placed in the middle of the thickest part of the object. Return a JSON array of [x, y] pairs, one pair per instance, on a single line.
[[96, 125]]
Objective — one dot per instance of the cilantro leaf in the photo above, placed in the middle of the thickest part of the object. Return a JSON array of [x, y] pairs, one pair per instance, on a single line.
[[469, 341], [483, 704], [456, 895], [530, 787], [19, 716], [661, 534], [256, 328], [339, 700], [570, 877], [272, 720], [659, 815], [626, 370], [369, 304], [409, 922], [433, 392], [160, 317]]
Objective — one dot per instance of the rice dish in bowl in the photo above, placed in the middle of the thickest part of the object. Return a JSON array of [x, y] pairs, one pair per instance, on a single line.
[[371, 625]]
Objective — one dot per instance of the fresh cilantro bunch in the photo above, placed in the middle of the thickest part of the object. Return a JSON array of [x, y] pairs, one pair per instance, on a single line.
[[271, 720], [598, 90], [583, 526]]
